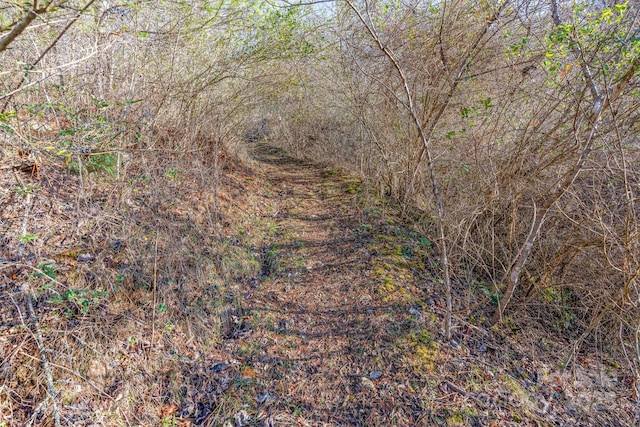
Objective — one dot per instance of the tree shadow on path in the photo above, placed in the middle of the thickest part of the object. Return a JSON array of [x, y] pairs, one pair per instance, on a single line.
[[313, 333]]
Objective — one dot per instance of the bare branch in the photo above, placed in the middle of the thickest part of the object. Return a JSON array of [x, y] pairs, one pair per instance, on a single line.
[[27, 19]]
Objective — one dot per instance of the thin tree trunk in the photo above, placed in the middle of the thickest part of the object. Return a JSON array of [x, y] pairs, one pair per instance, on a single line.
[[553, 196]]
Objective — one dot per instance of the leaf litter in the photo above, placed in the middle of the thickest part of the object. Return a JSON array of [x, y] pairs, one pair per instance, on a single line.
[[313, 310]]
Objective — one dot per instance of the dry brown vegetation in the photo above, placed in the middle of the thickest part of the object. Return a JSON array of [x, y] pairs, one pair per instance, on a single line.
[[458, 246]]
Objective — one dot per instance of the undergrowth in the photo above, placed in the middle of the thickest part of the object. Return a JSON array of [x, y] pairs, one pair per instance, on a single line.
[[286, 297]]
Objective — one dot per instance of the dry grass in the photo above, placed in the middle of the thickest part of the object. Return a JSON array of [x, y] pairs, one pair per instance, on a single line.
[[123, 276], [291, 297], [156, 270]]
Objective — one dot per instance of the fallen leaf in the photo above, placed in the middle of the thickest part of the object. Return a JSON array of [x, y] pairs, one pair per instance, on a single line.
[[248, 372], [168, 409], [219, 367], [241, 418], [85, 258]]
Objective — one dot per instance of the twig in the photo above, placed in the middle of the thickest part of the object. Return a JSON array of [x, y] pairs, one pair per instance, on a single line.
[[155, 292], [37, 333], [51, 390], [36, 412], [426, 134], [36, 270], [25, 217], [20, 26], [46, 51], [566, 181], [447, 385], [75, 373]]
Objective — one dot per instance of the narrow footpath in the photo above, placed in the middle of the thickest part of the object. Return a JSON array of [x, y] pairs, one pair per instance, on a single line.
[[338, 323], [314, 332]]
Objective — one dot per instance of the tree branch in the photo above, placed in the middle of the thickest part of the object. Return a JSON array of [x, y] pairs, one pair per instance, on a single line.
[[27, 19]]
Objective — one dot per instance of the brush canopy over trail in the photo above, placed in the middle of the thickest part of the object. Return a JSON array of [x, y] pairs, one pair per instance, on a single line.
[[460, 246]]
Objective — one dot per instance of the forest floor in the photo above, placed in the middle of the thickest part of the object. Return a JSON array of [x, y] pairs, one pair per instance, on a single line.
[[313, 305]]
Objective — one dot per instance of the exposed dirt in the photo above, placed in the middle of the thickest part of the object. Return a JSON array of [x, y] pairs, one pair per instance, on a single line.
[[312, 305]]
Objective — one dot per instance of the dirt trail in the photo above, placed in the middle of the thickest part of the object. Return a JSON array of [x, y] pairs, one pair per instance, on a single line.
[[306, 302], [342, 325], [312, 341]]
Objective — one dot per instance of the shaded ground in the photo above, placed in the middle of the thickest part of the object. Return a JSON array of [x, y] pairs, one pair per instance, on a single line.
[[315, 334], [341, 327], [283, 296]]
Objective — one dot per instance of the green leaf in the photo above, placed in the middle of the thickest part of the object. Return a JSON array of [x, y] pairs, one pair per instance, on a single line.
[[4, 117], [622, 7], [46, 269], [425, 242], [28, 238]]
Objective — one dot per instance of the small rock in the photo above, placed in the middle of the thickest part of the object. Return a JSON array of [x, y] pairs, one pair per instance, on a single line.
[[415, 312], [374, 375], [482, 347], [367, 383], [219, 367]]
